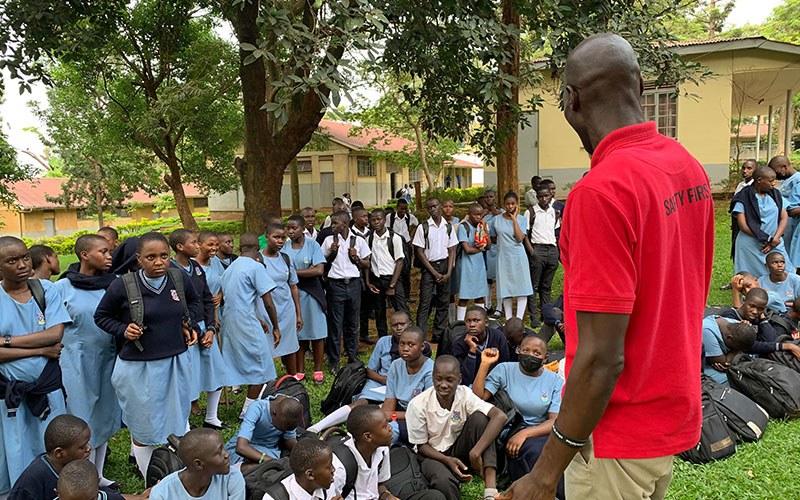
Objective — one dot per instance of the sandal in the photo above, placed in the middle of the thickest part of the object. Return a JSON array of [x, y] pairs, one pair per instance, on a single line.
[[319, 378]]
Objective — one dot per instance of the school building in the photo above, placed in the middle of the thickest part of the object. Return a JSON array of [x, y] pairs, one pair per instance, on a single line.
[[752, 77], [34, 216], [345, 163], [746, 143]]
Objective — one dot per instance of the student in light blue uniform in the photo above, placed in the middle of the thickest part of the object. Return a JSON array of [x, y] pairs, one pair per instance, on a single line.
[[470, 265], [537, 395], [757, 204], [208, 473], [507, 234], [285, 296], [245, 345], [785, 284], [153, 372], [32, 345], [790, 191], [722, 339], [269, 428], [87, 360], [309, 264]]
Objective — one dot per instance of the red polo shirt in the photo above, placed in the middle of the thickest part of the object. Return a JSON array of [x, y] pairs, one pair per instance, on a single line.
[[638, 239]]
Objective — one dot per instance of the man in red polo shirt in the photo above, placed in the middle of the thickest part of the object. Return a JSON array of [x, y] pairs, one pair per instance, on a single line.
[[637, 246]]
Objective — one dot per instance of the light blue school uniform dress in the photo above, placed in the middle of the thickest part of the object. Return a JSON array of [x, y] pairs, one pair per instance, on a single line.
[[247, 350], [227, 487], [787, 289], [23, 435], [491, 254], [790, 191], [510, 256], [379, 361], [471, 268], [214, 272], [403, 387], [748, 256], [87, 362], [257, 428], [283, 276], [713, 345], [535, 397], [315, 325]]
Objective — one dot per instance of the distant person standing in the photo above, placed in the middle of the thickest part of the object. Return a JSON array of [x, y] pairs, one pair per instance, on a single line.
[[790, 191], [641, 217], [530, 195]]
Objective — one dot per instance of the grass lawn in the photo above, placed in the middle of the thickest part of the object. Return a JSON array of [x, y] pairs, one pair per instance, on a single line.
[[763, 470]]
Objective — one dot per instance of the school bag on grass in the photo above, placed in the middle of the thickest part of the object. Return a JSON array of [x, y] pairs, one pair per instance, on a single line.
[[786, 358], [290, 386], [164, 461], [744, 417], [407, 477], [775, 387], [348, 383], [514, 423], [716, 439], [451, 335]]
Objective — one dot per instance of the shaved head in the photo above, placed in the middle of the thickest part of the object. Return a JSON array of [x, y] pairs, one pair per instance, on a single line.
[[602, 85], [248, 242], [198, 444]]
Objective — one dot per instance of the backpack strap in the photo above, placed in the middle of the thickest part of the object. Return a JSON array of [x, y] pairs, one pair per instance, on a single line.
[[177, 278], [425, 230], [286, 260], [135, 304], [345, 455], [37, 291], [352, 240], [389, 245], [277, 491]]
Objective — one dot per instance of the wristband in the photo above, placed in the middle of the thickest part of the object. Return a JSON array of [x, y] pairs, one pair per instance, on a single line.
[[572, 443], [394, 416], [7, 341], [385, 494], [262, 457]]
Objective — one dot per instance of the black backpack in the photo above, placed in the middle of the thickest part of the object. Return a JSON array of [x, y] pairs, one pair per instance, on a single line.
[[136, 305], [389, 243], [775, 387], [425, 230], [266, 477], [290, 386], [347, 384], [745, 418], [786, 358], [451, 335], [37, 292], [407, 477], [514, 423], [716, 439], [163, 462]]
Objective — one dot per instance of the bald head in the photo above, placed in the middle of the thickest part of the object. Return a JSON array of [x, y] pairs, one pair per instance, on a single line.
[[602, 85], [248, 242]]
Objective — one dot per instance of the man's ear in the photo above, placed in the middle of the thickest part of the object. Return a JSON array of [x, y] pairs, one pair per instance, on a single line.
[[309, 474], [367, 437], [59, 452]]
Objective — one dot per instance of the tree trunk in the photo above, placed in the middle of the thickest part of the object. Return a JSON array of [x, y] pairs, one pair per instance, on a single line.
[[173, 180], [295, 180], [507, 150], [423, 157], [267, 149], [98, 194]]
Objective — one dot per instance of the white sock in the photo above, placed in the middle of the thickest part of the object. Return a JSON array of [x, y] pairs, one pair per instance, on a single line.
[[212, 404], [508, 307], [98, 458], [521, 303], [451, 312], [132, 445], [337, 417], [142, 454], [188, 426], [488, 302], [247, 403], [489, 492], [461, 313]]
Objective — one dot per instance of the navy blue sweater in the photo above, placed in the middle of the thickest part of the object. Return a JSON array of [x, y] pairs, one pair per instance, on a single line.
[[765, 339], [471, 362], [163, 318], [198, 277]]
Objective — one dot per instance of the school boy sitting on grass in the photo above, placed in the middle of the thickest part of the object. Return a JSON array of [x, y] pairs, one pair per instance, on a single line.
[[453, 427], [79, 481], [723, 339], [312, 473], [752, 311], [786, 285]]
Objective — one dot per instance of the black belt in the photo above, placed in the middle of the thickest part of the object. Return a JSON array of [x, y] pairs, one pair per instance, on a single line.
[[437, 261], [346, 281], [545, 245]]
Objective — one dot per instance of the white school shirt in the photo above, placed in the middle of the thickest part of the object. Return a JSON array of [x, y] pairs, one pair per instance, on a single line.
[[308, 234], [381, 261], [359, 232], [296, 492], [742, 185], [438, 242], [342, 267], [368, 478], [428, 422], [402, 226], [544, 227]]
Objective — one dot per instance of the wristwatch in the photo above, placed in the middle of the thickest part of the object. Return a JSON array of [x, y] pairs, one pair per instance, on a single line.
[[7, 341]]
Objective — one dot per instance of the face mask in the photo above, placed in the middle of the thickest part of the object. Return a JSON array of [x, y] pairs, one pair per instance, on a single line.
[[529, 363]]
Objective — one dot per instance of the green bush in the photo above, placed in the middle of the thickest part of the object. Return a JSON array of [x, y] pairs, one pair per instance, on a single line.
[[457, 195]]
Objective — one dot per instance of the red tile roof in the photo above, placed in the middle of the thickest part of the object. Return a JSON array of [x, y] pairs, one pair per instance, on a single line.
[[460, 162], [383, 141], [31, 193], [750, 130], [706, 41]]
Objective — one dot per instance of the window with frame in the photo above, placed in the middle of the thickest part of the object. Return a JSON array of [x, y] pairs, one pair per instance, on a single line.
[[366, 168], [661, 106]]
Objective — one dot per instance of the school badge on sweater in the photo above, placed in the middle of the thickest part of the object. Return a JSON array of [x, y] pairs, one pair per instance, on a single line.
[[174, 294]]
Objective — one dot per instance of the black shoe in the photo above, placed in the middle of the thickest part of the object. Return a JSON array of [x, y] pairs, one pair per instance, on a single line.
[[367, 341], [209, 425], [726, 287], [334, 369]]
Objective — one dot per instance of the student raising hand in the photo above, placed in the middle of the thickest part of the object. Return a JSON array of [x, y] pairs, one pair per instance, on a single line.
[[489, 356]]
